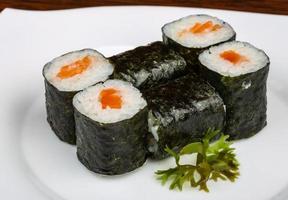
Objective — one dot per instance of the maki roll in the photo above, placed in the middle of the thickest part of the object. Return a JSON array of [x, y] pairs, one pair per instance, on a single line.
[[239, 72], [66, 75], [192, 34], [179, 112], [148, 66], [111, 123]]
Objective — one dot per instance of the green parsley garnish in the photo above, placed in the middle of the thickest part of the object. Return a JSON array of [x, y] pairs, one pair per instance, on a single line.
[[214, 161]]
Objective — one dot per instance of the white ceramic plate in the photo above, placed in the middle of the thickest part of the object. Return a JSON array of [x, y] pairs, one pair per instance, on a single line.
[[35, 165]]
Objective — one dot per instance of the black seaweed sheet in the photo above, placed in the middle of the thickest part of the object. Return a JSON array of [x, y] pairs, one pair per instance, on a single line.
[[181, 111], [60, 114], [245, 100], [113, 148], [148, 66]]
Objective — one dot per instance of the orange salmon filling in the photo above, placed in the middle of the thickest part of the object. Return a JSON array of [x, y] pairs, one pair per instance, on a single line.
[[75, 68], [110, 98], [233, 57], [199, 28]]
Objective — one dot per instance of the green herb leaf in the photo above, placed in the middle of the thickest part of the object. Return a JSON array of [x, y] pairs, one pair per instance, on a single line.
[[174, 154], [215, 161], [196, 147]]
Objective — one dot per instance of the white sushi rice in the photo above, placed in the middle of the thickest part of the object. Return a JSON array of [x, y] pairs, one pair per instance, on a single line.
[[99, 70], [87, 102], [191, 40], [256, 59]]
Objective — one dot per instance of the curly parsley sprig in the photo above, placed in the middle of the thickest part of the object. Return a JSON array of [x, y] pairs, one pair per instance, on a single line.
[[214, 161]]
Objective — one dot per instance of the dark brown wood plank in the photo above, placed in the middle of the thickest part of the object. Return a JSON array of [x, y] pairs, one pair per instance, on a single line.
[[261, 6]]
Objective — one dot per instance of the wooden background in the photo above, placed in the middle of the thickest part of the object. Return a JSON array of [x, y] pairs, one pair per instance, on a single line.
[[262, 6]]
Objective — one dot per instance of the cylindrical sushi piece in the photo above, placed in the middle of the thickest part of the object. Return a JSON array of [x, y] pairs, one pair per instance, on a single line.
[[66, 75], [192, 34], [148, 66], [180, 112], [239, 73], [111, 126]]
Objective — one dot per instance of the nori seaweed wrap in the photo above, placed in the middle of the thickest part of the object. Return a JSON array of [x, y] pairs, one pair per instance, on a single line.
[[148, 66], [60, 114], [180, 112], [240, 77], [111, 137], [64, 76], [201, 32]]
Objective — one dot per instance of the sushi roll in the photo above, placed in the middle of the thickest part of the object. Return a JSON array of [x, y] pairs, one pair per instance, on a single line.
[[148, 66], [192, 34], [179, 112], [111, 126], [66, 75], [239, 73]]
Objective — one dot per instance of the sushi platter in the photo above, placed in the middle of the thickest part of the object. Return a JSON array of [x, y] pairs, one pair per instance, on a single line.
[[104, 111]]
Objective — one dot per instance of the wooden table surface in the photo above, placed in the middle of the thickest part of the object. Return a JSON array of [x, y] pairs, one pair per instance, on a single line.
[[262, 6]]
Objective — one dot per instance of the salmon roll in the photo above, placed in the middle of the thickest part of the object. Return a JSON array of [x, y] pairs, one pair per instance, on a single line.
[[148, 66], [64, 77], [239, 72], [111, 126], [180, 112], [192, 34]]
